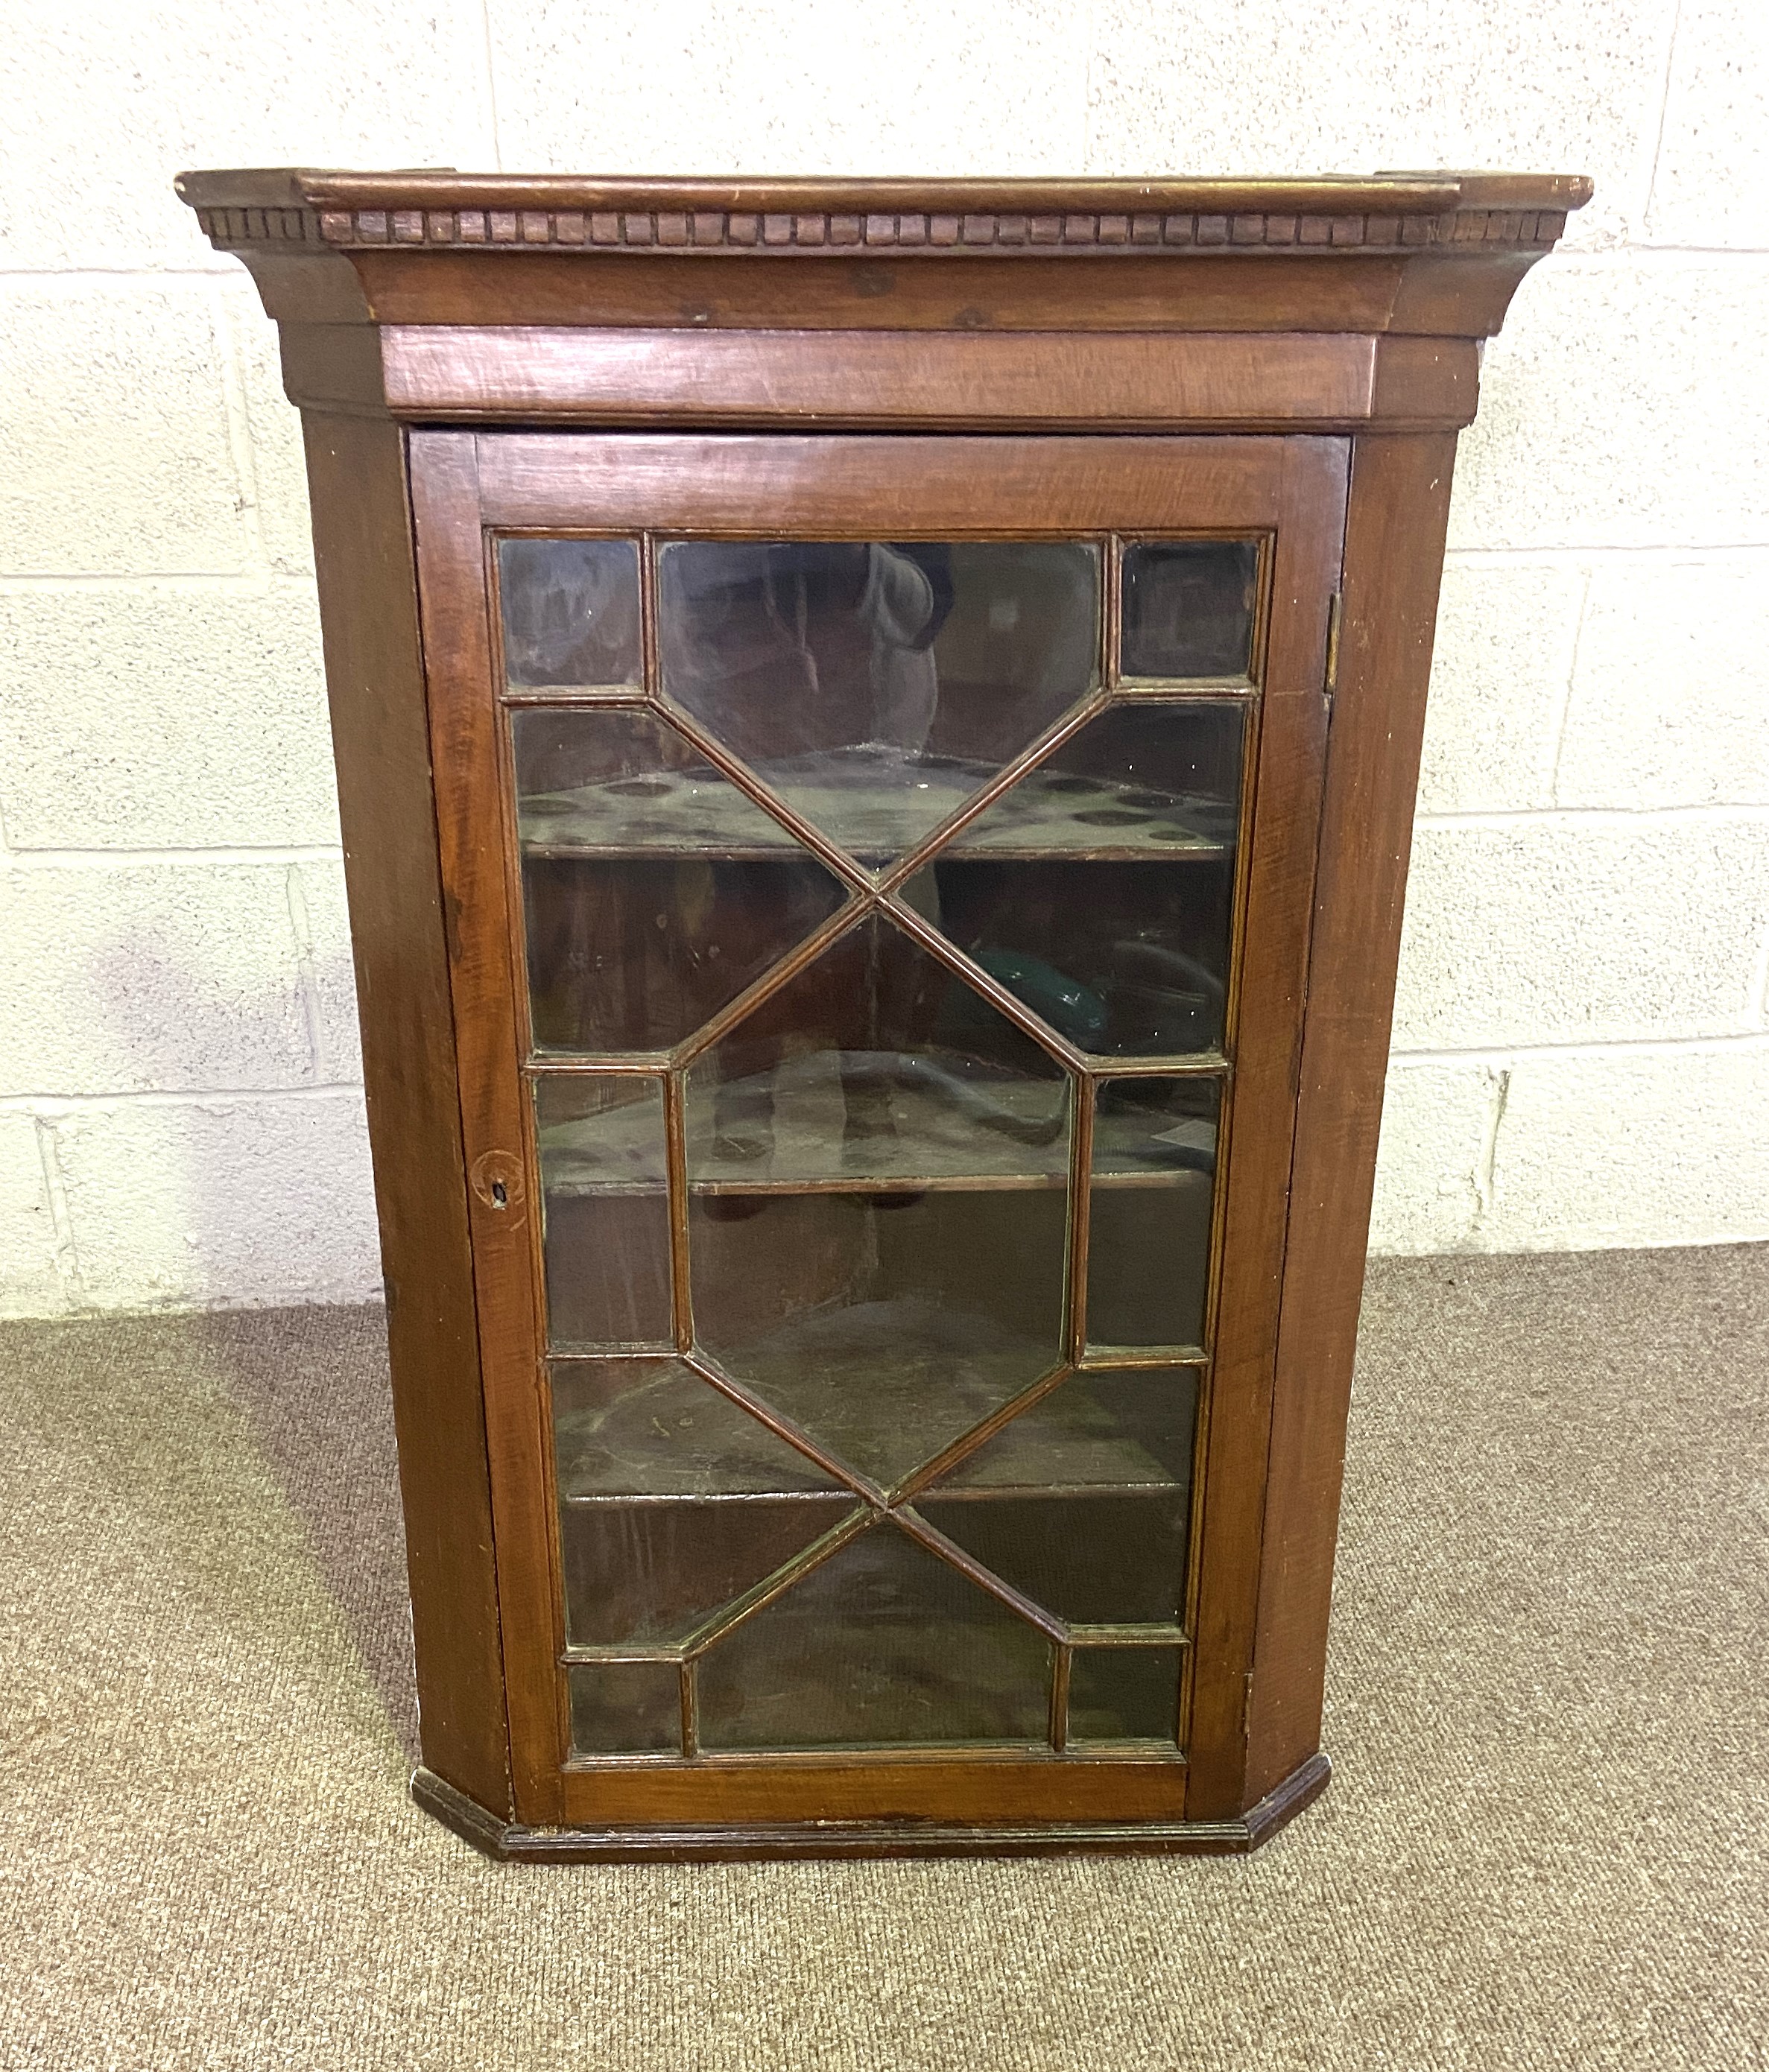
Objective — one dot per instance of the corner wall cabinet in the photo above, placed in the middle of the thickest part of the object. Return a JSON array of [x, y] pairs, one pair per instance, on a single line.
[[876, 726]]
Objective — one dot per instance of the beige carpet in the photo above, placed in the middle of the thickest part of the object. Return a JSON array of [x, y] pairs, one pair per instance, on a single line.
[[1542, 1846]]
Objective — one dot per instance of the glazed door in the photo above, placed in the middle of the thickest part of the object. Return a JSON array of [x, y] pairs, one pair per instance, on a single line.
[[880, 871]]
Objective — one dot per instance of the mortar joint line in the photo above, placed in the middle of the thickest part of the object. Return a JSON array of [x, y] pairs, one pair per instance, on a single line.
[[1500, 820], [1584, 555], [1492, 1055], [198, 857], [263, 581], [54, 1106]]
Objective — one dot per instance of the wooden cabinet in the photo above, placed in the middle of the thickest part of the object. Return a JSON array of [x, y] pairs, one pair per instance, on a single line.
[[876, 727]]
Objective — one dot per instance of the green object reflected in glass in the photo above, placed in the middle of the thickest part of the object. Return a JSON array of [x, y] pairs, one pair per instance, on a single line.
[[1099, 887]]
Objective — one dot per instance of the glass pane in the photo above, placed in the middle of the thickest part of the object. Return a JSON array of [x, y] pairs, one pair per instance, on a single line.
[[1083, 1501], [654, 1428], [875, 685], [625, 1708], [606, 1216], [1188, 607], [651, 1570], [883, 1643], [1099, 889], [1154, 1162], [1128, 1428], [1124, 1694], [877, 1202], [570, 611], [655, 891], [1103, 1557]]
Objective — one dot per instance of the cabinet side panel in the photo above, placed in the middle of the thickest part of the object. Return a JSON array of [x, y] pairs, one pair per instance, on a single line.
[[1396, 521], [374, 673]]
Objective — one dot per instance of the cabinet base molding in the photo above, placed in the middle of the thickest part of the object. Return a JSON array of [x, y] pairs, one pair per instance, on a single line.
[[509, 1841]]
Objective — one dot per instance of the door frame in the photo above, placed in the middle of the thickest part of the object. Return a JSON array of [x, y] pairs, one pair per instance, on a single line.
[[466, 486]]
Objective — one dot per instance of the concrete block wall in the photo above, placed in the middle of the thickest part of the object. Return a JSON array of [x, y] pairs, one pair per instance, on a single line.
[[1581, 1045]]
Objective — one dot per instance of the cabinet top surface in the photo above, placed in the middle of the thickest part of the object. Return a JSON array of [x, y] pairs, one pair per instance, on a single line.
[[346, 210]]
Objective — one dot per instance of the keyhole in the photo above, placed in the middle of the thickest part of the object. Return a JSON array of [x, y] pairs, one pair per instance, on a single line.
[[497, 1183]]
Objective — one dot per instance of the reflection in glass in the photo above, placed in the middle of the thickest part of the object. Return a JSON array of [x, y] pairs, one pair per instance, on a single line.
[[883, 1644], [1124, 1694], [655, 891], [1154, 1162], [607, 1217], [1083, 1502], [651, 1570], [571, 612], [1099, 1555], [876, 685], [654, 1428], [1127, 1428], [1098, 889], [673, 1499], [1188, 607], [876, 1203], [625, 1708]]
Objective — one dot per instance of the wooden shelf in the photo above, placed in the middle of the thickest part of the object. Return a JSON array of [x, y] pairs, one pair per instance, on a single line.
[[877, 805], [673, 1438], [931, 1147]]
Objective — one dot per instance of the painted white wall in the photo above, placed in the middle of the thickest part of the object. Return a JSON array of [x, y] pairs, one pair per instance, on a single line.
[[1581, 1048]]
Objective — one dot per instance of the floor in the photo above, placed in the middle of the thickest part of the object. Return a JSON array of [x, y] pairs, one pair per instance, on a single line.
[[1543, 1846]]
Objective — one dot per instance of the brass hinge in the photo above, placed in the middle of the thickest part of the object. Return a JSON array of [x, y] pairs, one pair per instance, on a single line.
[[1336, 612]]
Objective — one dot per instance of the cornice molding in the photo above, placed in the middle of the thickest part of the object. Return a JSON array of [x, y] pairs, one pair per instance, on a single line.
[[347, 212]]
